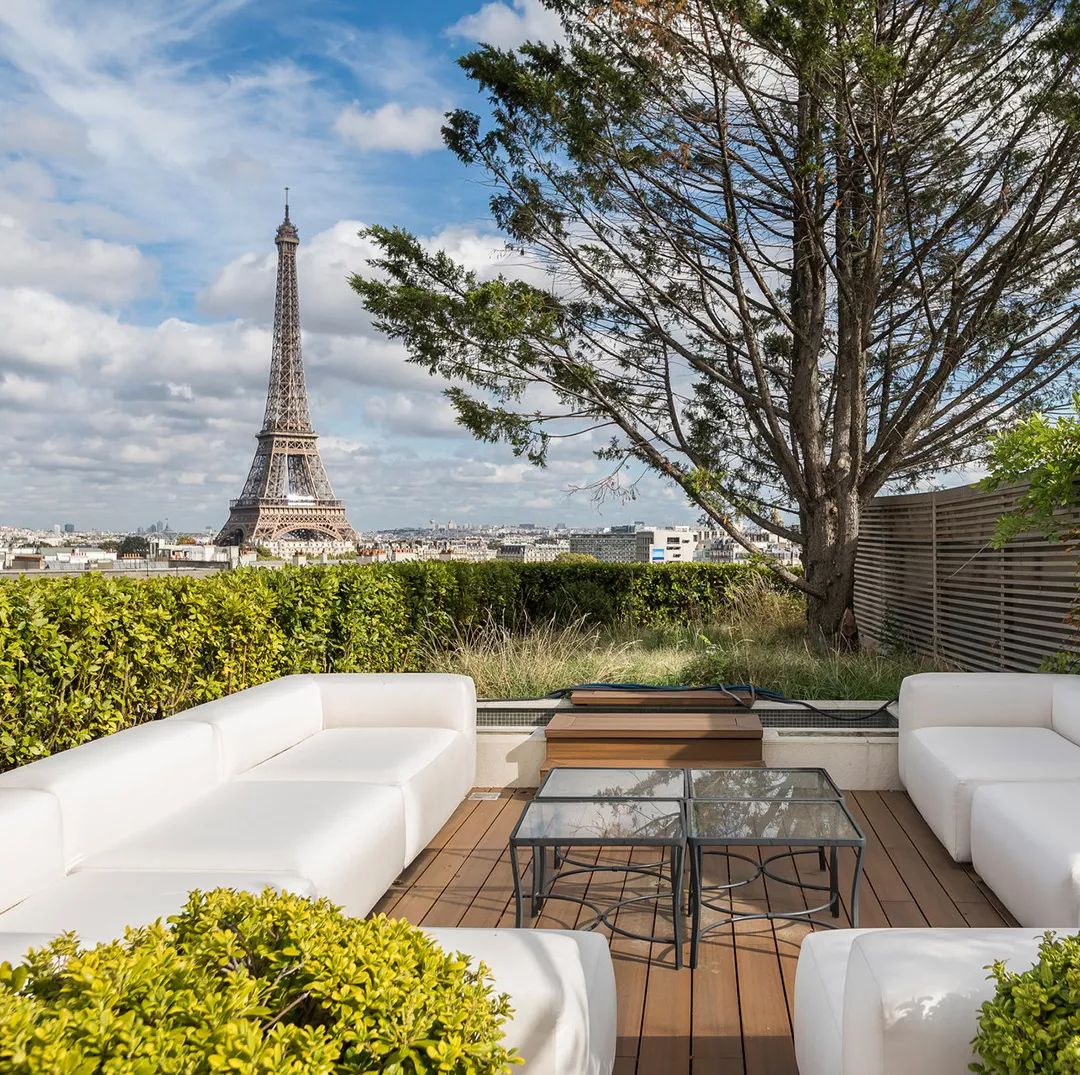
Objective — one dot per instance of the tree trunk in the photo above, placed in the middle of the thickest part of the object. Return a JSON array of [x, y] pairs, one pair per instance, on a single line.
[[831, 531]]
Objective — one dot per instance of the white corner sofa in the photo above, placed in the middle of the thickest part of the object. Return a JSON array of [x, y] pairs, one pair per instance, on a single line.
[[961, 731], [897, 1001], [324, 785]]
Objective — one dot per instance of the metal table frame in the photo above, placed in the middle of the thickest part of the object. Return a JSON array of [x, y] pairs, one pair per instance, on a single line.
[[700, 846], [672, 867]]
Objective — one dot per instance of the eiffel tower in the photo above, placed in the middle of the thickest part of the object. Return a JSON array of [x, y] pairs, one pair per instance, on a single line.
[[287, 495]]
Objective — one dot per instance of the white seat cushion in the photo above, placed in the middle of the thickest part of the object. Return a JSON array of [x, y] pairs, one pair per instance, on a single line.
[[13, 946], [945, 765], [348, 840], [562, 989], [912, 996], [99, 904], [31, 843], [820, 975], [428, 765], [255, 724], [114, 786], [1025, 844]]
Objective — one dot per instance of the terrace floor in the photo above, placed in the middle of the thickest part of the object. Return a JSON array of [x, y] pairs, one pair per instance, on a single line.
[[732, 1015]]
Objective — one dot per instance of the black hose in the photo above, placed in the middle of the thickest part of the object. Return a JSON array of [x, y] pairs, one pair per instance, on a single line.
[[728, 689]]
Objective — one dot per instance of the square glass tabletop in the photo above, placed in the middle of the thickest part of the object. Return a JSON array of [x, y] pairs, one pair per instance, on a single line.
[[773, 821], [601, 783], [601, 821], [762, 784]]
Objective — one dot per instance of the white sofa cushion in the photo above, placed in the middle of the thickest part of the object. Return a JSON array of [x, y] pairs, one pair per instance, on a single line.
[[430, 766], [114, 786], [912, 996], [255, 724], [946, 764], [562, 989], [1065, 718], [414, 700], [1025, 844], [1010, 699], [31, 843], [348, 840], [13, 946], [99, 904], [819, 1000]]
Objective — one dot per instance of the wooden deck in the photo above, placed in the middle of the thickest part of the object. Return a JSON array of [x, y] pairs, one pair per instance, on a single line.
[[732, 1015]]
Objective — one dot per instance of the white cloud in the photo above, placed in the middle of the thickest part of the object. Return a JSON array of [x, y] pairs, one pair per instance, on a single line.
[[27, 131], [413, 415], [113, 273], [509, 25], [392, 127]]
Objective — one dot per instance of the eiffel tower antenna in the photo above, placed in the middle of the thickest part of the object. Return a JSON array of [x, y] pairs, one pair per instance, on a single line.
[[287, 495]]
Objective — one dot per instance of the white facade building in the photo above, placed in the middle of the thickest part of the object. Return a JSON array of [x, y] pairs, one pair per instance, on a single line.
[[532, 552]]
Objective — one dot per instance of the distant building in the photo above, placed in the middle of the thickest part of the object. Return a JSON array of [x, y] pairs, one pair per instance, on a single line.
[[69, 528], [532, 552], [612, 548], [628, 544]]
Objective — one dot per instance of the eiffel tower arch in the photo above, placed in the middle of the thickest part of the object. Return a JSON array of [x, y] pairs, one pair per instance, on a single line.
[[287, 495]]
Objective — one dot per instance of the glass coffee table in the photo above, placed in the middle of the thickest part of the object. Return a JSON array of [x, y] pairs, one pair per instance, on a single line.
[[799, 810], [601, 807], [703, 812]]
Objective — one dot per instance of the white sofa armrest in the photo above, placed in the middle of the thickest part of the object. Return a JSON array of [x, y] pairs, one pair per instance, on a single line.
[[912, 996], [412, 700], [976, 699]]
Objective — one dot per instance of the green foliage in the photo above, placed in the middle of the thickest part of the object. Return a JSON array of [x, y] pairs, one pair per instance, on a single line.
[[1045, 454], [1032, 1023], [575, 558], [133, 545], [273, 984], [83, 656]]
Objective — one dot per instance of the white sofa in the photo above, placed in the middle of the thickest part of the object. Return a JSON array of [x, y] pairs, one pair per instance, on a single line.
[[322, 785], [897, 1001], [960, 731]]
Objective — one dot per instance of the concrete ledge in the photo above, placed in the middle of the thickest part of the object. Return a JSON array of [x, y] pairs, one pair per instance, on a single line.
[[857, 761]]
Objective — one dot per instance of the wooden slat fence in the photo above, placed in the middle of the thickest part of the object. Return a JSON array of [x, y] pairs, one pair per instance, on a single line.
[[927, 578]]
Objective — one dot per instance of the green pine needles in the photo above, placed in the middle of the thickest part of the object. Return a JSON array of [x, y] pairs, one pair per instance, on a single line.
[[1032, 1023], [273, 984]]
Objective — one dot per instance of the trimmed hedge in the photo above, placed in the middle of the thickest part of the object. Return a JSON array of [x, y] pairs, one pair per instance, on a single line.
[[244, 984], [83, 656]]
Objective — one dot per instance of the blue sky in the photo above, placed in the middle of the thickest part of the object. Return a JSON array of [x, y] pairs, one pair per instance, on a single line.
[[144, 145]]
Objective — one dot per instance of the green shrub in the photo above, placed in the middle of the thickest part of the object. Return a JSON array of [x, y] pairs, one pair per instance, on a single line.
[[1032, 1023], [273, 984], [83, 656]]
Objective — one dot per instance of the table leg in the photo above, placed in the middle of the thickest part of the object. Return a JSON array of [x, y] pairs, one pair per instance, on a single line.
[[539, 854], [834, 884], [855, 887], [821, 858], [677, 867], [695, 897], [515, 869]]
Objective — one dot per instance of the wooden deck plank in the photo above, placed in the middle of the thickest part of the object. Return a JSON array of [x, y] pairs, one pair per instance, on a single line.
[[732, 1015], [425, 889], [882, 876], [933, 900], [631, 956], [457, 897], [957, 880]]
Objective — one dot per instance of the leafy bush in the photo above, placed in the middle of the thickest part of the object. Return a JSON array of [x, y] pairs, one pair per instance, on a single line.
[[273, 984], [1032, 1023], [83, 656]]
